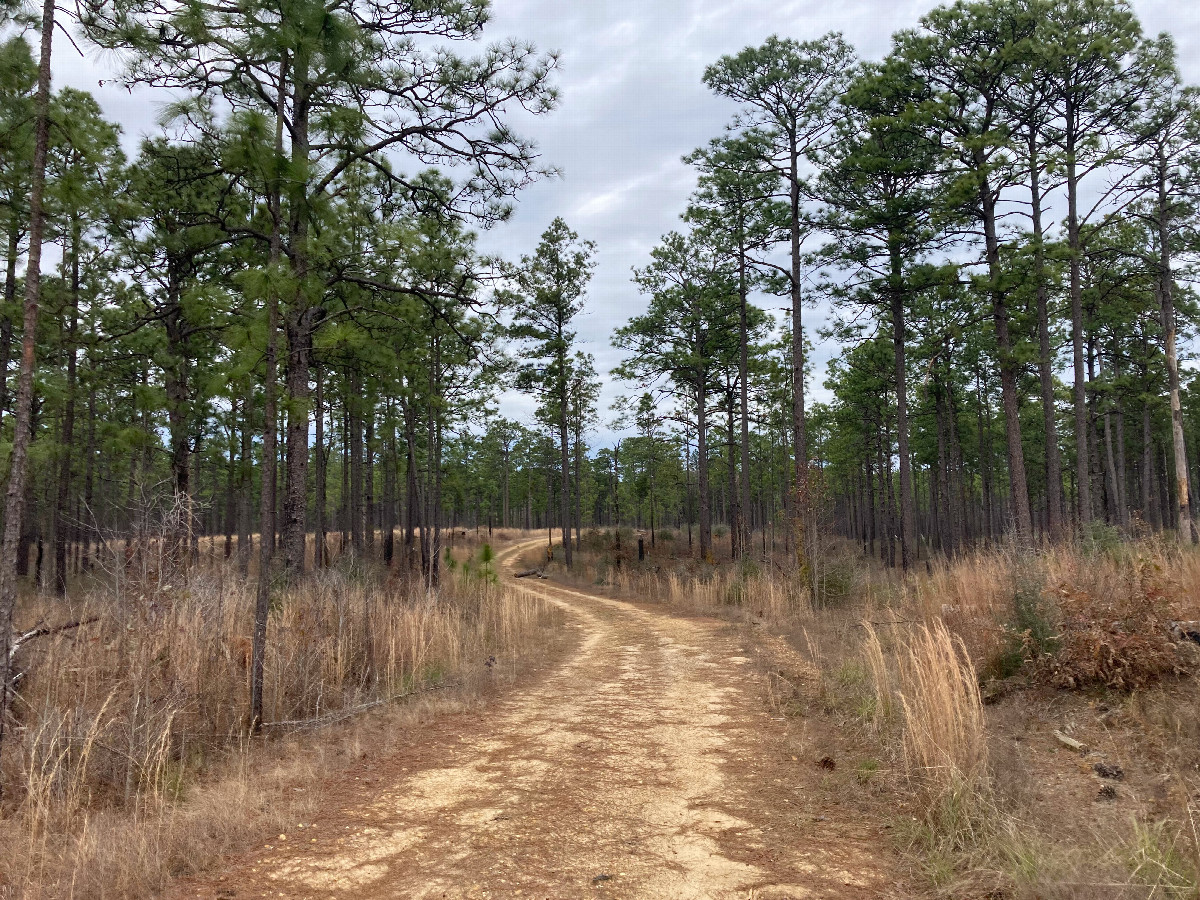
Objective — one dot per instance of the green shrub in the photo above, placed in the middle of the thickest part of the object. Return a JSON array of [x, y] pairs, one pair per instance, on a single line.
[[1031, 632], [1100, 537], [836, 583]]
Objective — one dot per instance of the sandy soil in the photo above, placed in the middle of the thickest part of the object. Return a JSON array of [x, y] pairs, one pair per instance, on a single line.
[[644, 765]]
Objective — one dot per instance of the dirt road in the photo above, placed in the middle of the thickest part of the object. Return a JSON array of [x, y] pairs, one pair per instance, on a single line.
[[644, 766]]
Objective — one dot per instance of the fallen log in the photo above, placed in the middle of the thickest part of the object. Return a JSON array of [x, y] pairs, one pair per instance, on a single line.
[[528, 573], [41, 631]]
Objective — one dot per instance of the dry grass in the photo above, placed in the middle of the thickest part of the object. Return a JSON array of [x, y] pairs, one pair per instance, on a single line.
[[763, 598], [129, 760], [931, 692], [1084, 615]]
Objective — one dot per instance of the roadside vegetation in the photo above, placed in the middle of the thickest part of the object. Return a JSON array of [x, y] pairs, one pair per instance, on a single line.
[[1025, 720], [135, 762]]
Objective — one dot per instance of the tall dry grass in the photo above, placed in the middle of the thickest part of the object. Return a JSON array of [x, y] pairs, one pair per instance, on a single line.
[[930, 690], [980, 583], [1087, 614], [763, 597], [129, 759]]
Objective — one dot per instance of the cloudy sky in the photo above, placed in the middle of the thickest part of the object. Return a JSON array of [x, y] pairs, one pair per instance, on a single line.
[[632, 105]]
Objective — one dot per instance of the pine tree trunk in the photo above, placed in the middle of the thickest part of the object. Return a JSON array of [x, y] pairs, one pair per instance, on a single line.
[[320, 556], [801, 502], [435, 506], [889, 497], [944, 502], [14, 498], [958, 515], [1096, 466], [88, 518], [1053, 459], [1122, 471], [412, 504], [985, 455], [1082, 456], [369, 481], [231, 482], [177, 404], [245, 486], [578, 482], [908, 518], [1110, 471], [504, 511], [733, 513], [687, 486], [389, 490], [344, 512], [702, 488], [354, 401], [1009, 397], [564, 484], [1149, 506], [300, 327], [10, 296], [266, 535], [62, 507], [1164, 485], [871, 525], [743, 506], [299, 330], [1166, 294]]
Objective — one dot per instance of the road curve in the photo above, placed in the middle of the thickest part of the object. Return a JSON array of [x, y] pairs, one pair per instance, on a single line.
[[644, 766]]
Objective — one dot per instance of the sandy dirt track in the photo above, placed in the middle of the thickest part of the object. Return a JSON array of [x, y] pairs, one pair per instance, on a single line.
[[646, 765]]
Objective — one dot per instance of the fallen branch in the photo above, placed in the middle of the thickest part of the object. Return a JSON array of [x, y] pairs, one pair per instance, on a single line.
[[1069, 742], [529, 572], [41, 631], [341, 714]]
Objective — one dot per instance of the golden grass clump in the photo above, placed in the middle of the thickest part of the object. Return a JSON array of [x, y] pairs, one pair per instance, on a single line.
[[932, 690], [943, 712]]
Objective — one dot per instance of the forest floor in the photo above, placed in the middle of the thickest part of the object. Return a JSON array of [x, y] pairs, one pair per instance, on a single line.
[[643, 763]]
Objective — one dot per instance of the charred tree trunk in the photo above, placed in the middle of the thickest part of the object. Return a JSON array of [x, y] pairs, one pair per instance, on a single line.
[[1166, 295]]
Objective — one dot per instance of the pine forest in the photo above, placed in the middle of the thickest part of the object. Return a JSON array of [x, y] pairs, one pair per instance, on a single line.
[[889, 459]]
